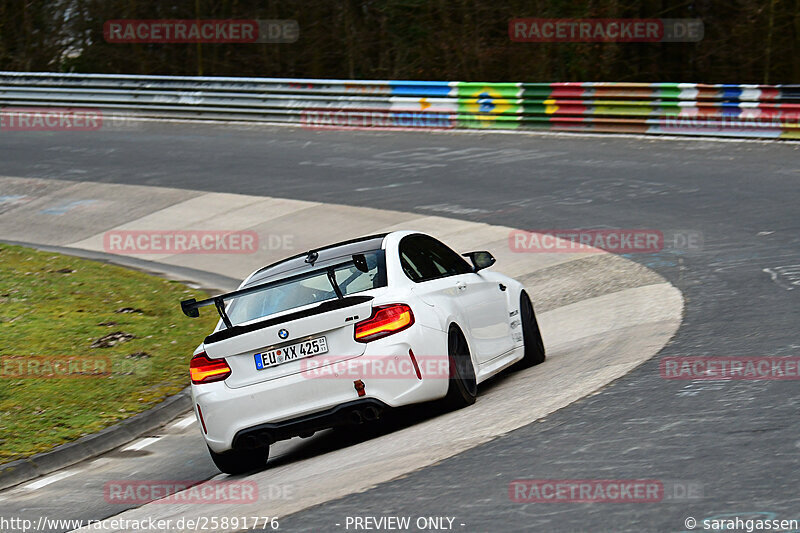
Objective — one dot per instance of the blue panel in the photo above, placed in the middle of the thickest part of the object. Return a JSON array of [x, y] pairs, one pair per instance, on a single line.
[[420, 88], [731, 109], [731, 92]]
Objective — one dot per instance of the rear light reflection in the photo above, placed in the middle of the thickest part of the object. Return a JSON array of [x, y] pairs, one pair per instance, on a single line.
[[414, 362], [385, 320], [205, 370], [202, 421]]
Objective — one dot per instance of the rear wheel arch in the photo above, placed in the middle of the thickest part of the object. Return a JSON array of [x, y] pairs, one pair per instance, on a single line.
[[455, 325], [532, 337], [462, 386]]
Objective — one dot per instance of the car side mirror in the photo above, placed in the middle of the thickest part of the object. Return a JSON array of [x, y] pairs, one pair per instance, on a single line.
[[480, 260]]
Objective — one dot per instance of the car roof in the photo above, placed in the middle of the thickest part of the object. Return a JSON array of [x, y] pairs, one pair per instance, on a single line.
[[325, 253]]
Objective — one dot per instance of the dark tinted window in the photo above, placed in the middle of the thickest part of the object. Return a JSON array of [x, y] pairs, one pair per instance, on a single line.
[[424, 258]]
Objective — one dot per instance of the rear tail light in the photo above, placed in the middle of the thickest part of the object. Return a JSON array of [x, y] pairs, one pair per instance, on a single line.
[[205, 370], [385, 320]]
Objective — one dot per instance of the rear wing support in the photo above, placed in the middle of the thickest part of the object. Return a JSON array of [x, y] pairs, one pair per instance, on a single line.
[[191, 308]]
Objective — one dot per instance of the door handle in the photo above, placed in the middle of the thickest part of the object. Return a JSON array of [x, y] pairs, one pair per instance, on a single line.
[[502, 287], [461, 286]]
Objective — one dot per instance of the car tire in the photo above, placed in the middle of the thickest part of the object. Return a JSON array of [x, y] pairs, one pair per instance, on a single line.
[[531, 336], [462, 386], [237, 462]]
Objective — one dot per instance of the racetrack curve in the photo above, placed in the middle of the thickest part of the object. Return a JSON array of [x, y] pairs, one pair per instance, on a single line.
[[640, 427], [600, 316]]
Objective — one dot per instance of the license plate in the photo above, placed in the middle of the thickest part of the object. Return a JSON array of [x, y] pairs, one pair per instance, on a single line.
[[285, 354]]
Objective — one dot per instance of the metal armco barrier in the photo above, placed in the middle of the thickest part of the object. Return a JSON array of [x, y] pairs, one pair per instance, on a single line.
[[762, 111]]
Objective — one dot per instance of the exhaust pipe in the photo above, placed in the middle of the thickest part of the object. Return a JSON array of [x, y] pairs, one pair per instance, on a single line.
[[371, 414], [355, 417], [250, 442], [267, 438]]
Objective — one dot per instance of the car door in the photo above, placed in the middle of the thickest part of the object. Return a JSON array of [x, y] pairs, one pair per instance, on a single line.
[[487, 305], [433, 283], [446, 279]]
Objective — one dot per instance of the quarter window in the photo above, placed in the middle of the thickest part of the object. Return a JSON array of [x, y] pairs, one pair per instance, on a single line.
[[424, 258]]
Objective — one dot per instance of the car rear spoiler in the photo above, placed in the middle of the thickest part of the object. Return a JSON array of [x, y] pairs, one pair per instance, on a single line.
[[324, 307], [191, 307]]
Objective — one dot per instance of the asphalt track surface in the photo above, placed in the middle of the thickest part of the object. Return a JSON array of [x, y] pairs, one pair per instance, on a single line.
[[738, 441]]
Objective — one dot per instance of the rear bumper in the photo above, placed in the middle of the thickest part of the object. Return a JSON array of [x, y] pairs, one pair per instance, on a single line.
[[355, 412], [297, 404]]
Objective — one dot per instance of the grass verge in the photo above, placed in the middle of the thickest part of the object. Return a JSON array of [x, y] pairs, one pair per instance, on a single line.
[[54, 385]]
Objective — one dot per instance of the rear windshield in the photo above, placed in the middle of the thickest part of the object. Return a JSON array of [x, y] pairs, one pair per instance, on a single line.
[[310, 288]]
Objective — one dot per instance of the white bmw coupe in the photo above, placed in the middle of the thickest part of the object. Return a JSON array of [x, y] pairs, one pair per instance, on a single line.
[[339, 334]]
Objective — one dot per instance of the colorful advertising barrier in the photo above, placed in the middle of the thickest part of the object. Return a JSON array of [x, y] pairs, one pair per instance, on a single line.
[[724, 110]]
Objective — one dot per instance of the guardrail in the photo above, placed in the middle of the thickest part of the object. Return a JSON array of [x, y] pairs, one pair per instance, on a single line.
[[767, 111]]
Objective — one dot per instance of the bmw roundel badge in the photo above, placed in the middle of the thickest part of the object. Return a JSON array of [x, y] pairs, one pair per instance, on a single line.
[[283, 334]]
